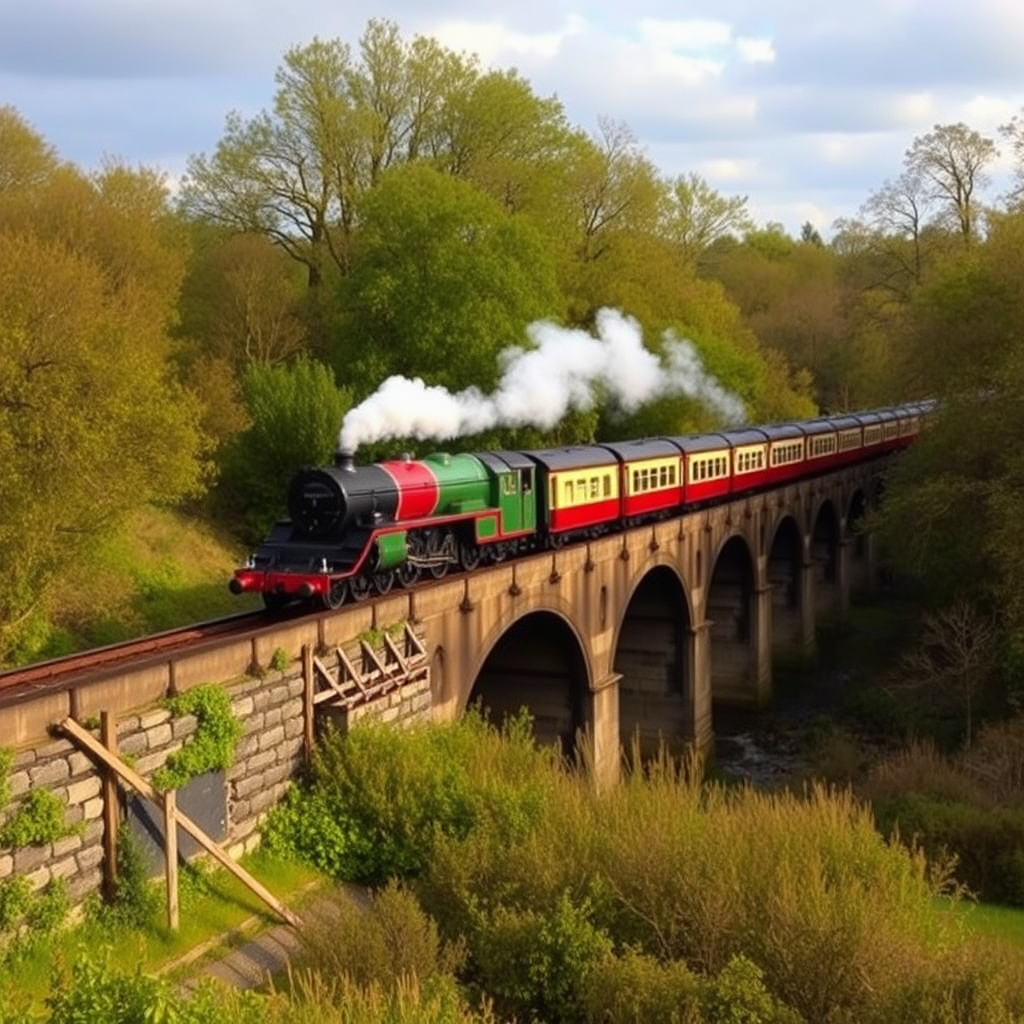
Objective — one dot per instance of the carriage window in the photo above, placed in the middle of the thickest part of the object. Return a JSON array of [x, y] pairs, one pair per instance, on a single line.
[[568, 491], [594, 486], [636, 480], [607, 486]]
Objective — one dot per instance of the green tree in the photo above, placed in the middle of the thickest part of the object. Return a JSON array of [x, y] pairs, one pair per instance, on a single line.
[[954, 515], [91, 423], [295, 174], [446, 279], [242, 302], [26, 160], [697, 217], [951, 159], [295, 412]]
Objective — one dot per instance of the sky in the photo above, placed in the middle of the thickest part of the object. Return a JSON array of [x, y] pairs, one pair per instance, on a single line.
[[803, 106]]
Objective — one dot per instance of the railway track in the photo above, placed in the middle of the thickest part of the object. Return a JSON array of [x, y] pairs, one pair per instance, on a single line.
[[65, 673], [59, 673]]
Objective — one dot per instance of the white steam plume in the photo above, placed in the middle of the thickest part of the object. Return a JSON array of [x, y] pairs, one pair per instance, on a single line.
[[540, 385]]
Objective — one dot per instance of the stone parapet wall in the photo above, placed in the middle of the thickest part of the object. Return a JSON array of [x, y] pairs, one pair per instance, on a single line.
[[267, 758]]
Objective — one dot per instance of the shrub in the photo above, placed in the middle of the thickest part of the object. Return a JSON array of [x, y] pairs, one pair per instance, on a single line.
[[636, 988], [536, 963], [378, 798], [988, 843], [739, 996], [93, 993], [15, 896], [134, 899], [383, 941]]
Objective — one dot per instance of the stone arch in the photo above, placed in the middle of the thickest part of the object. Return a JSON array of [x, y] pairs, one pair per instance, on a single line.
[[859, 547], [824, 551], [651, 655], [785, 563], [730, 612], [537, 662]]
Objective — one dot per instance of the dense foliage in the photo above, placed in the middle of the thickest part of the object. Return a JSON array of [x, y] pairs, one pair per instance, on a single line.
[[400, 209], [663, 900]]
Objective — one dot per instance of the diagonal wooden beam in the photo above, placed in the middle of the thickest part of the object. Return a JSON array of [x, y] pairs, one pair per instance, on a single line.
[[138, 783]]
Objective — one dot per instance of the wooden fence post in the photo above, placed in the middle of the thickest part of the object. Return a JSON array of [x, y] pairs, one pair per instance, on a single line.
[[171, 856], [111, 806], [308, 705]]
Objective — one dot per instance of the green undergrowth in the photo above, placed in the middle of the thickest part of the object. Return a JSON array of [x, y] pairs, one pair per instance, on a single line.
[[163, 569], [702, 903], [996, 921], [213, 905]]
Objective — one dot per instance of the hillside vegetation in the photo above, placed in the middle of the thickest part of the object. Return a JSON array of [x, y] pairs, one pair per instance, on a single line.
[[191, 350], [508, 889]]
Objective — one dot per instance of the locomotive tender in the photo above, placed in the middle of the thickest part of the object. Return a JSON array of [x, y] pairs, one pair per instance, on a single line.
[[356, 531]]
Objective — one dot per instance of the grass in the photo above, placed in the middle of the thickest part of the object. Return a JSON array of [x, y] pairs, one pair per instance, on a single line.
[[216, 912], [995, 921], [162, 570]]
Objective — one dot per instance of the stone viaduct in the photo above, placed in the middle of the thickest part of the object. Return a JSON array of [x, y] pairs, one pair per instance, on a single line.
[[639, 634], [643, 633]]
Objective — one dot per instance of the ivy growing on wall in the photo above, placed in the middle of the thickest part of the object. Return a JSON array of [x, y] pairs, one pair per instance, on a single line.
[[39, 818], [212, 745]]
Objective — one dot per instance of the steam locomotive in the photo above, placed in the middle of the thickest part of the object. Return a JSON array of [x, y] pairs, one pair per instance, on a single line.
[[355, 531]]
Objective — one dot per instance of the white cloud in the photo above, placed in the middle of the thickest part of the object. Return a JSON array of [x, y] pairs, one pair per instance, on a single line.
[[727, 170], [494, 41], [914, 108], [692, 35], [755, 51]]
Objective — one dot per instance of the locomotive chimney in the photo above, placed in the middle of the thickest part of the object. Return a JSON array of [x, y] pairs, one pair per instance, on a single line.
[[345, 460]]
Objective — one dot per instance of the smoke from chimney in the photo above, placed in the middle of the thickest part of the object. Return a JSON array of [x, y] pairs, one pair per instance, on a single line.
[[538, 386]]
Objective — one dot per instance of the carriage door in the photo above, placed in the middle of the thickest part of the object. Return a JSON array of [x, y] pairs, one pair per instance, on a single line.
[[517, 501]]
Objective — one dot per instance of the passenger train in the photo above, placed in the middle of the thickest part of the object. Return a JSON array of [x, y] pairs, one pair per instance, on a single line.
[[355, 531]]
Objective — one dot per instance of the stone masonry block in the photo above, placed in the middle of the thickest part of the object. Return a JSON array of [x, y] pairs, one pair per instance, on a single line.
[[38, 878], [159, 736], [30, 857], [154, 718], [90, 858], [49, 773], [67, 845], [18, 783], [148, 764], [251, 784], [80, 764], [271, 737], [246, 746], [57, 748], [254, 723], [262, 760], [277, 774], [64, 868], [80, 792], [184, 726], [242, 708], [133, 743]]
